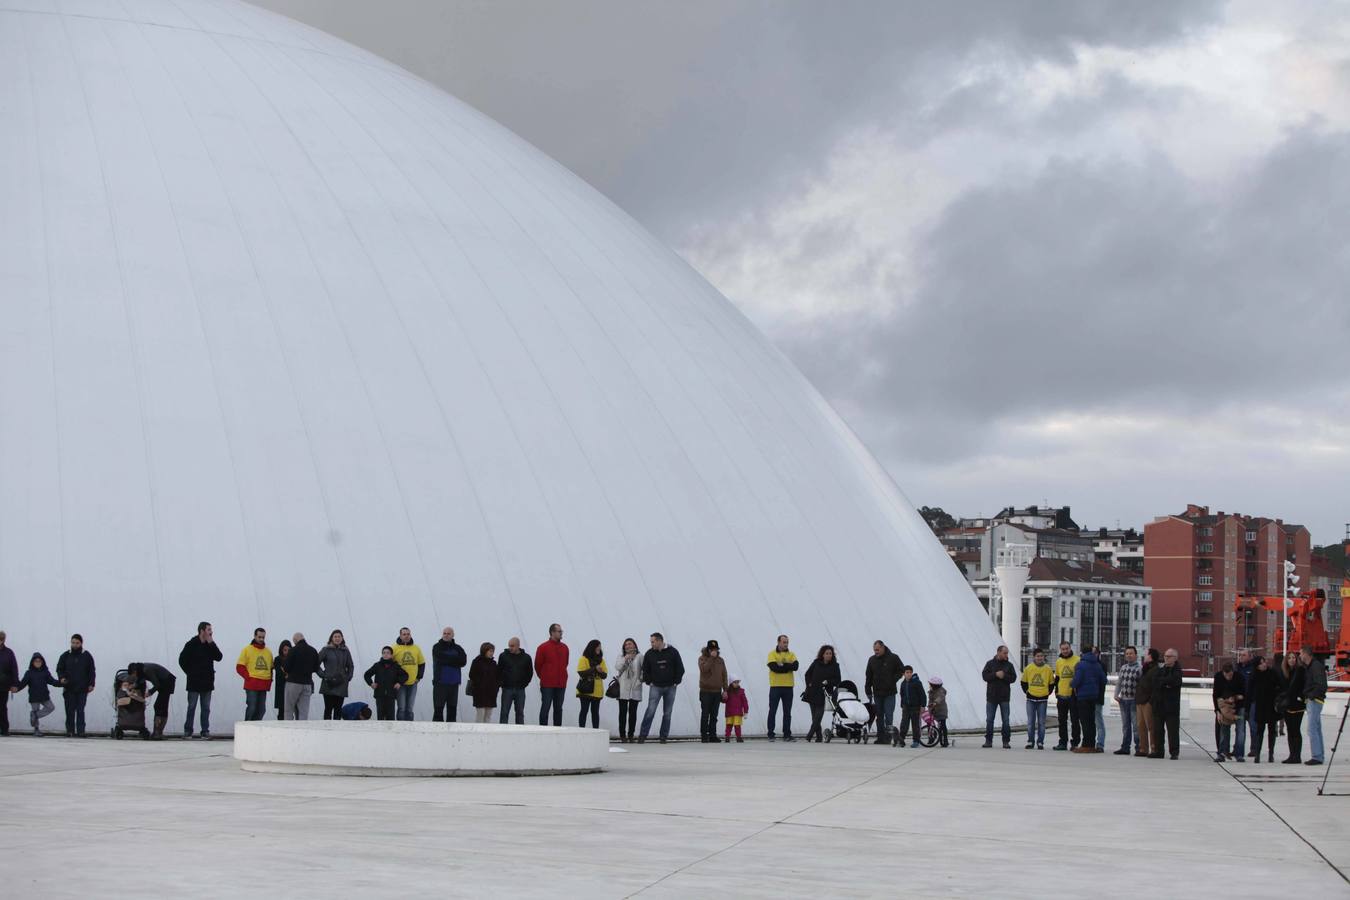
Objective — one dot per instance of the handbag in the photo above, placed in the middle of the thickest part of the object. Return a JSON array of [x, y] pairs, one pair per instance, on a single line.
[[612, 692], [468, 687], [586, 685]]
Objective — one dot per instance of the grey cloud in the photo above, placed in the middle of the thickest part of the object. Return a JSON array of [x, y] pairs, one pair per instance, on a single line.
[[689, 111], [1101, 287]]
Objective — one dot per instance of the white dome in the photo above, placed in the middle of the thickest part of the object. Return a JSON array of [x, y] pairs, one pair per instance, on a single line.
[[290, 337]]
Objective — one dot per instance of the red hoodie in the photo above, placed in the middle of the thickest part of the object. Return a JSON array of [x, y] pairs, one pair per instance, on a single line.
[[550, 664]]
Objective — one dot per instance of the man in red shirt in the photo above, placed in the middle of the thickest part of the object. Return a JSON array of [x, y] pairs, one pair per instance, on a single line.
[[550, 665]]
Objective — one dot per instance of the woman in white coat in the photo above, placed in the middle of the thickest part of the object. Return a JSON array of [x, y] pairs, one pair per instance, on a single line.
[[628, 673]]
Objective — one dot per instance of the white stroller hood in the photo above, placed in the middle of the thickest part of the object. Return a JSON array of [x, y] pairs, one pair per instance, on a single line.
[[850, 707]]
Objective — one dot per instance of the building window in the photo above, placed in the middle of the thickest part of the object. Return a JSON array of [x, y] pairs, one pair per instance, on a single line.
[[1204, 548], [1206, 531], [1206, 579], [1251, 537], [1204, 596]]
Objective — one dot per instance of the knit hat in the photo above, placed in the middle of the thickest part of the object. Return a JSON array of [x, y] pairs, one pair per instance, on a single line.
[[936, 679], [733, 678]]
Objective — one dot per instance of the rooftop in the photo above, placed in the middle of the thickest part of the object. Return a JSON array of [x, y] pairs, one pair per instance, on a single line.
[[743, 820], [1072, 570]]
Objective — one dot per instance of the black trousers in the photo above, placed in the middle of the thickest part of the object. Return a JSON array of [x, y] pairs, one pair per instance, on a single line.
[[1263, 728], [942, 732], [592, 705], [1087, 719], [817, 714], [332, 706], [628, 718], [710, 703], [162, 705], [909, 721], [1293, 722], [75, 700], [4, 710], [1167, 724], [1067, 710], [445, 703], [384, 709]]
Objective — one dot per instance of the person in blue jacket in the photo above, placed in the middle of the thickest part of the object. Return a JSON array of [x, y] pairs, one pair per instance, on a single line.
[[447, 662], [1089, 688], [39, 681]]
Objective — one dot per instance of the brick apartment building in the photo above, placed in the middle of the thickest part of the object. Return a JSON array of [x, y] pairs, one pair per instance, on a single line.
[[1198, 563]]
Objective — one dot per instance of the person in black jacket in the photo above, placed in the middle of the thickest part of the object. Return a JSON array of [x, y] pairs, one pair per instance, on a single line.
[[662, 671], [999, 677], [1264, 687], [883, 674], [39, 681], [198, 660], [279, 663], [448, 660], [9, 676], [386, 677], [1229, 695], [515, 670], [300, 668], [160, 683], [75, 669], [1294, 708], [913, 698], [1167, 706], [822, 677]]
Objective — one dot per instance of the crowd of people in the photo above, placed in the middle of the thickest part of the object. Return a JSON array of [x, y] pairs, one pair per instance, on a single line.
[[1254, 694], [1262, 693]]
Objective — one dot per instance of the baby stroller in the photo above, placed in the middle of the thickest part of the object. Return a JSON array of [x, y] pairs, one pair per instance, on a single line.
[[129, 705], [850, 717], [928, 731]]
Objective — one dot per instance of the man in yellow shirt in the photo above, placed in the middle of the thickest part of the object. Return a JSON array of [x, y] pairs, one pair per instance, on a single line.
[[1037, 680], [1067, 710], [409, 656], [782, 663], [255, 667]]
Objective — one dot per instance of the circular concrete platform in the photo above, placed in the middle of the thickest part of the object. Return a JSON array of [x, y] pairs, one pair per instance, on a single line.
[[417, 748]]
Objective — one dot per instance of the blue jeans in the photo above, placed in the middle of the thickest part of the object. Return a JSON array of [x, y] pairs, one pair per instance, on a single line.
[[666, 697], [989, 708], [1036, 710], [1240, 734], [204, 698], [255, 705], [885, 716], [407, 696], [551, 698], [1223, 736], [513, 697], [1314, 718], [781, 695], [1128, 739], [1101, 726]]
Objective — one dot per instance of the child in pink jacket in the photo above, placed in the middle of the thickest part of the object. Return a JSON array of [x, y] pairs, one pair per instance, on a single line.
[[737, 706]]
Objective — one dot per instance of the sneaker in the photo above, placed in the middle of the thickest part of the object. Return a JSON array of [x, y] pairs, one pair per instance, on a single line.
[[740, 740], [1030, 746], [1060, 747], [1237, 759], [913, 746], [772, 738], [1007, 746], [37, 732], [1040, 746], [205, 735], [788, 739]]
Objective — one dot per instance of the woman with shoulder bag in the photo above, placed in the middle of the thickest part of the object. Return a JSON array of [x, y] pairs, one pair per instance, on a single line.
[[1294, 707], [822, 676], [628, 677], [336, 670], [712, 688], [591, 671], [484, 683]]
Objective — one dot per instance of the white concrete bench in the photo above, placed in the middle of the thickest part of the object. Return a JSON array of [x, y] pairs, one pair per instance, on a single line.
[[417, 748]]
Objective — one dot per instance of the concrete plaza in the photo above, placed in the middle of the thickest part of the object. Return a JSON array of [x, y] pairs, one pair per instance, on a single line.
[[97, 817]]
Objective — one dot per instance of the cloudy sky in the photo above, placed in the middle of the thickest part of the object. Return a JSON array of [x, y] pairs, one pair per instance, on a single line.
[[1081, 252]]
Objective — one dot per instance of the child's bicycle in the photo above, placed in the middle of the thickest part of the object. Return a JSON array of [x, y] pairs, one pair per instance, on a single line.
[[928, 731]]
